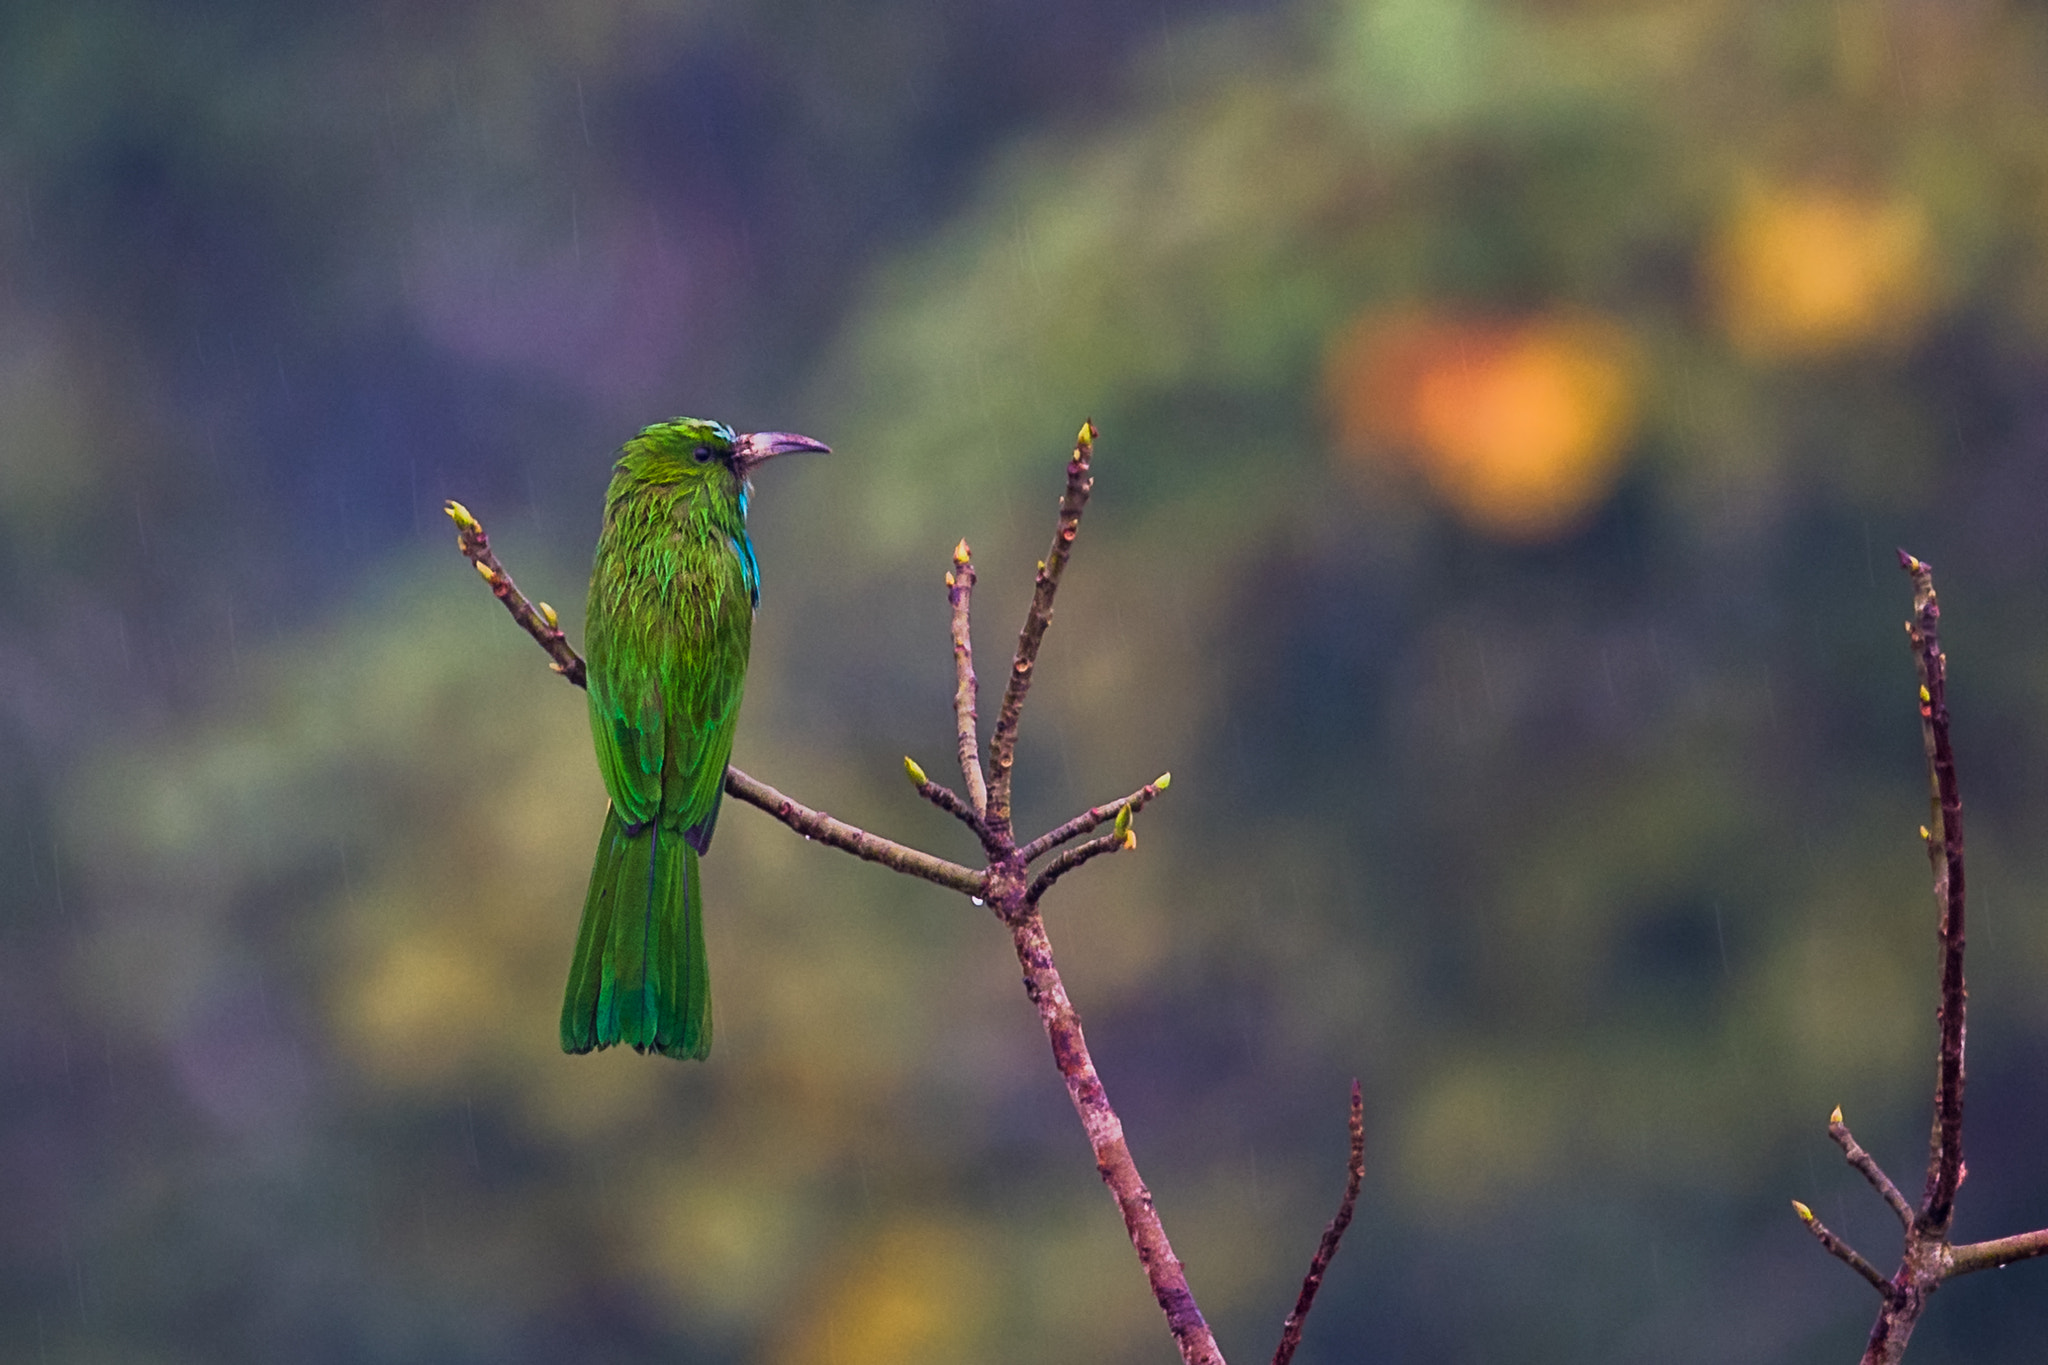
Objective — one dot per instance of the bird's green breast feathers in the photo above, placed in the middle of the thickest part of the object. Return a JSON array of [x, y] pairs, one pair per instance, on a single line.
[[670, 622]]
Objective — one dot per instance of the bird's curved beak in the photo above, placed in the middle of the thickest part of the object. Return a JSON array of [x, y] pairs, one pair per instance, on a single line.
[[758, 446]]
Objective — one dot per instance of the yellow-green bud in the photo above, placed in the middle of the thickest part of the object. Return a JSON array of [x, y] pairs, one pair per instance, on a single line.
[[916, 773], [1164, 781], [1123, 821], [459, 514], [1805, 1213], [485, 570], [548, 614], [1836, 1117], [960, 552]]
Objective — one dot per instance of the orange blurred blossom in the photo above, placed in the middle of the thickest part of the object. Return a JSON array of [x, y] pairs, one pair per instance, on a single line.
[[1518, 425]]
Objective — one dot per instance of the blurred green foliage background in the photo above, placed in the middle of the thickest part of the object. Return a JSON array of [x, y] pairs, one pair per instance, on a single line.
[[1510, 408]]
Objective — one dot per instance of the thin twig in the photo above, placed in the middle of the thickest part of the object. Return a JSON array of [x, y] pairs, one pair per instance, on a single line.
[[1290, 1331], [1003, 744], [1866, 1163], [537, 622], [1842, 1251], [1945, 853], [1075, 856], [815, 824], [1092, 818], [948, 800], [966, 690], [2003, 1252]]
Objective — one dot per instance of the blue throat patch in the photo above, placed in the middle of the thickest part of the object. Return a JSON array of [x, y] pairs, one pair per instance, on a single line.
[[743, 546]]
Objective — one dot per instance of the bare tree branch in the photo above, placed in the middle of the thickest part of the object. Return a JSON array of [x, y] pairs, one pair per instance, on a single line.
[[1945, 852], [537, 622], [1002, 884], [1290, 1331], [1842, 1250], [966, 690], [813, 824], [1003, 744], [948, 800], [1092, 818], [1074, 857], [1105, 1131], [2003, 1252], [1928, 1259], [1864, 1162]]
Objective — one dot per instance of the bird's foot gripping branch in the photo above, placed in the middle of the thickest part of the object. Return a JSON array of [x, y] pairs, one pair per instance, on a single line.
[[1010, 882], [1928, 1258]]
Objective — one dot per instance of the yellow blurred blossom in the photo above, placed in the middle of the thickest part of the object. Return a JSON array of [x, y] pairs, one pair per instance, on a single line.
[[1518, 425], [1811, 271], [406, 1015], [912, 1294]]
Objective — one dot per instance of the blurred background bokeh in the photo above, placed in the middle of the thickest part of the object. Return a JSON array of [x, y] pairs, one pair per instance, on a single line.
[[1510, 408]]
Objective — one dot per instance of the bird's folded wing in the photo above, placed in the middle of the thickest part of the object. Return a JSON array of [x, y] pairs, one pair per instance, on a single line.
[[706, 694], [626, 721]]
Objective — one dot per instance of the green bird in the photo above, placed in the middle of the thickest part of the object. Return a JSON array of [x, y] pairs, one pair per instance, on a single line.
[[672, 599]]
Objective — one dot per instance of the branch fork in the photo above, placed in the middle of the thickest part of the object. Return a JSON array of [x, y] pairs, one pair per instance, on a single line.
[[1004, 883], [1929, 1259]]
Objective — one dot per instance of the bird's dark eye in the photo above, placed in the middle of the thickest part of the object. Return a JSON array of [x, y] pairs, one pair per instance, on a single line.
[[702, 454]]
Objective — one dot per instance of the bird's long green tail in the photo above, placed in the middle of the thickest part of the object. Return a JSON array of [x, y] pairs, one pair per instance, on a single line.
[[639, 975]]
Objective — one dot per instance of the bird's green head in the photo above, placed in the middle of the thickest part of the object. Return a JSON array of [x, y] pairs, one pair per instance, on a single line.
[[691, 448]]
